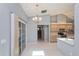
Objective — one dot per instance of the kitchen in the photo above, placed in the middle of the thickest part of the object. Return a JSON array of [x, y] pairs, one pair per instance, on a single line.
[[62, 33]]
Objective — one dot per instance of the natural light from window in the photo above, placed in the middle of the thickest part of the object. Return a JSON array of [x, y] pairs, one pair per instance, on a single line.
[[38, 53]]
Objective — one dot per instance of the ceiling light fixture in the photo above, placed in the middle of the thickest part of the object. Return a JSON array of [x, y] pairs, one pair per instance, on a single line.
[[37, 18]]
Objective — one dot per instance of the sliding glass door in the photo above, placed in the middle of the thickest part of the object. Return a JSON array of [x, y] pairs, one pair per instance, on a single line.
[[22, 37], [18, 35]]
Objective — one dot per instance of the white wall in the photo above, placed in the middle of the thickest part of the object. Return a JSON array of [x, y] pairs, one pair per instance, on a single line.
[[45, 20], [31, 31], [5, 25], [46, 33], [32, 28], [76, 40]]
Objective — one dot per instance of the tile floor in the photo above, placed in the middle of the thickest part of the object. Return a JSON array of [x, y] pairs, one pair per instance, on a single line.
[[41, 49]]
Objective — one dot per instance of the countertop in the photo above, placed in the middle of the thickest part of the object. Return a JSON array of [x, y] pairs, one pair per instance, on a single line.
[[67, 40]]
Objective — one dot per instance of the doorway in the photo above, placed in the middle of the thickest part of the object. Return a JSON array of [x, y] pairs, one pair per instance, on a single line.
[[42, 32]]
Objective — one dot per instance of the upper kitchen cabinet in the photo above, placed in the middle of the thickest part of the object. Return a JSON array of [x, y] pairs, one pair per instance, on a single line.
[[60, 18]]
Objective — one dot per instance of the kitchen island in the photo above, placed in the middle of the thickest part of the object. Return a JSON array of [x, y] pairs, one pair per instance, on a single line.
[[65, 45]]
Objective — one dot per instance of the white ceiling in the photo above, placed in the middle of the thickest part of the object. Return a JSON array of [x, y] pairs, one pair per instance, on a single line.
[[52, 8]]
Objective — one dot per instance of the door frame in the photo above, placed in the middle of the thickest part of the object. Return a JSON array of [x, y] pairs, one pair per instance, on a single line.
[[12, 15], [49, 32]]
